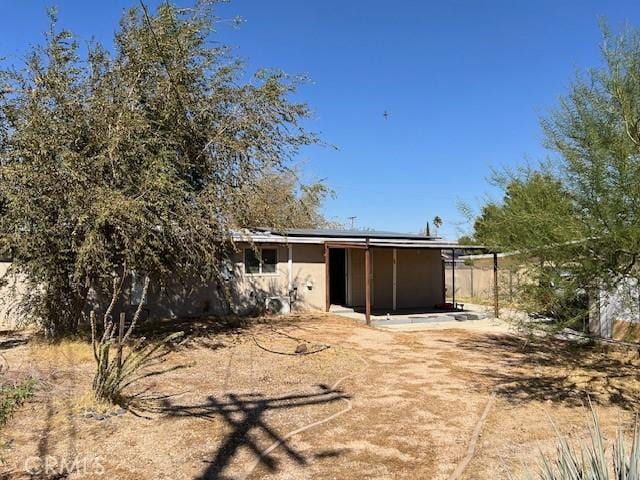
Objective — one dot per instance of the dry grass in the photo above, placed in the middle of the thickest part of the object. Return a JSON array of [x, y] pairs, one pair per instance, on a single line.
[[416, 397], [63, 353]]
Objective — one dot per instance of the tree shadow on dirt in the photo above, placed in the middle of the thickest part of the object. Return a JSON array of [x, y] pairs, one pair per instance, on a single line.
[[217, 332], [245, 414], [557, 370], [211, 332], [11, 341]]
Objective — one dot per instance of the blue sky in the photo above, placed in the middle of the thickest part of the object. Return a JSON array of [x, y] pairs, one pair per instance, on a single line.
[[464, 81]]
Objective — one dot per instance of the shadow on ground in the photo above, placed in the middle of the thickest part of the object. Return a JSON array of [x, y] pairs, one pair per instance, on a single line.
[[213, 332], [11, 341], [245, 415], [557, 370]]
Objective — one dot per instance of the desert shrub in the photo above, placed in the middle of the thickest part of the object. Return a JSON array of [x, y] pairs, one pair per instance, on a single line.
[[14, 395], [590, 461]]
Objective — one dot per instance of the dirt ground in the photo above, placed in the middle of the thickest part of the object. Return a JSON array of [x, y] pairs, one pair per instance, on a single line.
[[384, 404]]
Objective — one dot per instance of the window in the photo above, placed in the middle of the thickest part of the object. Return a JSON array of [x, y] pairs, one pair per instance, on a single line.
[[269, 260], [251, 261], [262, 261]]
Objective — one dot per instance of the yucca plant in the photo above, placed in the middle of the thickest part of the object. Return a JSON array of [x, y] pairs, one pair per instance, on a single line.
[[590, 461]]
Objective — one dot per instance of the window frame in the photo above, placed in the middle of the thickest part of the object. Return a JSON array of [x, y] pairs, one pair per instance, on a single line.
[[260, 272]]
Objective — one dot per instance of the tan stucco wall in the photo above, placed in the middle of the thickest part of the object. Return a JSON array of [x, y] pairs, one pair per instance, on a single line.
[[273, 284], [309, 276], [419, 278], [419, 282], [10, 294], [195, 299], [382, 278]]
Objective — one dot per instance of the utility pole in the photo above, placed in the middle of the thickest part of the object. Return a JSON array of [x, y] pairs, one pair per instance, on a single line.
[[353, 222]]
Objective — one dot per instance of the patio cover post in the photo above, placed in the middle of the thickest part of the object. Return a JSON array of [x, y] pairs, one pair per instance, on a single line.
[[453, 277], [444, 280], [367, 284], [327, 301], [496, 307], [395, 279]]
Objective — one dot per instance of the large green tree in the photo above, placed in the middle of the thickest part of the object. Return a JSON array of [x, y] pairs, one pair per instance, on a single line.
[[537, 219], [133, 158], [579, 216], [535, 212], [595, 132]]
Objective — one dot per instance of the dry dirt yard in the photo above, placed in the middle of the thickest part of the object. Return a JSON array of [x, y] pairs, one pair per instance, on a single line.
[[381, 404]]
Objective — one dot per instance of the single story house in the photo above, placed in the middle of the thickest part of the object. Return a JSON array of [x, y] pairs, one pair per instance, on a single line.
[[305, 270], [312, 269]]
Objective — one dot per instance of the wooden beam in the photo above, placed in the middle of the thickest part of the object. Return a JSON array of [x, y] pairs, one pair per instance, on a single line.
[[453, 278], [361, 246], [496, 306], [349, 297], [444, 281], [395, 279], [327, 285], [290, 268], [367, 285]]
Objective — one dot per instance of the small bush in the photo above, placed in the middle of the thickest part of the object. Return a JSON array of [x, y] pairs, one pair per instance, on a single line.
[[14, 395]]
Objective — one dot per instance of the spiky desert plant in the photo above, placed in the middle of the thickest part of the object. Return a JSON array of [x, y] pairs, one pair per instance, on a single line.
[[117, 372], [590, 461]]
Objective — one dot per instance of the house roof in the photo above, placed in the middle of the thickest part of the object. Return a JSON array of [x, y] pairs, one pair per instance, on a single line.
[[347, 237], [337, 233]]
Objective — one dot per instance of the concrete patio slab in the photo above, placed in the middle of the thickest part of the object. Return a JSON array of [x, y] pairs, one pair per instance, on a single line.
[[412, 319]]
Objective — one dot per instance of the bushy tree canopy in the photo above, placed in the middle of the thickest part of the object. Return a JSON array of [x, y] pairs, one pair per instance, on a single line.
[[135, 157], [278, 199], [535, 212], [579, 216]]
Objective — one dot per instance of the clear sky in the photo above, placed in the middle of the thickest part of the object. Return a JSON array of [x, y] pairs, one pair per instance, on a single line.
[[464, 83]]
